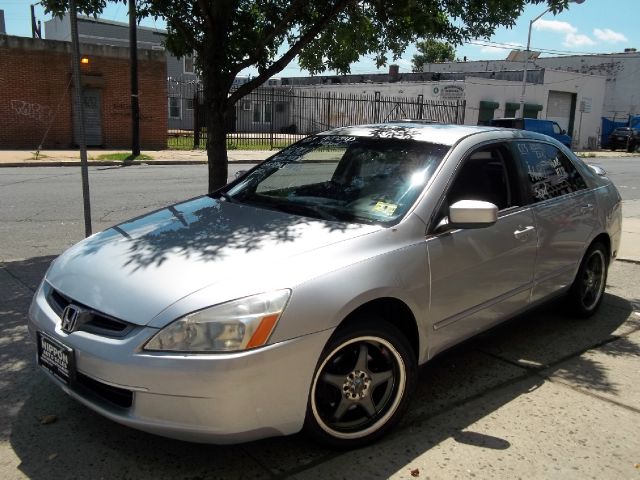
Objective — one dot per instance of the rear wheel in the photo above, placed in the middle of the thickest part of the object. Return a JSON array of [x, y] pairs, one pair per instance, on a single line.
[[362, 384], [587, 290]]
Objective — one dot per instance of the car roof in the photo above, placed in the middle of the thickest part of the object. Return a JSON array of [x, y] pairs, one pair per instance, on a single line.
[[440, 133]]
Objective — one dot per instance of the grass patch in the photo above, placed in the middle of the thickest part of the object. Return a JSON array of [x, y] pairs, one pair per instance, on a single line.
[[38, 156], [186, 143], [122, 157]]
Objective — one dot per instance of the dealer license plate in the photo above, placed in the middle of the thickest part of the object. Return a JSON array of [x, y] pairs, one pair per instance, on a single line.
[[56, 358]]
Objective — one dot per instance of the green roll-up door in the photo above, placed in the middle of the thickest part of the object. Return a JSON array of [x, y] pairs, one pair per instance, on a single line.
[[511, 109], [485, 114], [531, 110]]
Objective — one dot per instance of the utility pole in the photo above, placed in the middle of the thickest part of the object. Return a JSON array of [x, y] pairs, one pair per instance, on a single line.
[[528, 54], [133, 60], [36, 28], [84, 166]]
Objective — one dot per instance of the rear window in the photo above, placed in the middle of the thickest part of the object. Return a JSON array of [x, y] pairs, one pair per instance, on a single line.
[[551, 174], [507, 123]]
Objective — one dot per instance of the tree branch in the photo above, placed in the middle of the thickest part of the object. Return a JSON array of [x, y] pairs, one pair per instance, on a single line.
[[206, 13], [278, 29], [283, 61]]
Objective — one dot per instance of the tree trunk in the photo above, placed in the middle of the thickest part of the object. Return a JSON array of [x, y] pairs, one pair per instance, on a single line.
[[217, 142]]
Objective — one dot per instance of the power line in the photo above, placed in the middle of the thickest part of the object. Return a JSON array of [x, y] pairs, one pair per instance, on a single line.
[[515, 46]]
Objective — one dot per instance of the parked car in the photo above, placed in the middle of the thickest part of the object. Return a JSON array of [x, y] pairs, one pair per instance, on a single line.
[[546, 127], [305, 293], [625, 137]]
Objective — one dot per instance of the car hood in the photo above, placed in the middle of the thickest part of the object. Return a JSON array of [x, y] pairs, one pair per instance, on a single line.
[[136, 269]]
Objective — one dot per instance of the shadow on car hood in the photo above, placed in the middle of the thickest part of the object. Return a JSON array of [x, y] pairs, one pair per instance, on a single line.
[[136, 269]]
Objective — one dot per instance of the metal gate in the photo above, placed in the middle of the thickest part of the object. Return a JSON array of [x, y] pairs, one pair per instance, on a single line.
[[274, 117], [92, 104]]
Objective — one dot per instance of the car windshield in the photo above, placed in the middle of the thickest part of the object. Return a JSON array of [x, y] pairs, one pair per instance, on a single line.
[[343, 178], [622, 131]]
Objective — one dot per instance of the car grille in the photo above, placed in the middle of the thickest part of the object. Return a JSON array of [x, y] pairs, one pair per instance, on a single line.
[[119, 397], [99, 323]]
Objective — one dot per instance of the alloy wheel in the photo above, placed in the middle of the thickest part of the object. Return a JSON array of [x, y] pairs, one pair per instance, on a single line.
[[358, 387]]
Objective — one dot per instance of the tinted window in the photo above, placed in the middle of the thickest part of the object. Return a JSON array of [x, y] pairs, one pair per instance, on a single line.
[[485, 175], [507, 123], [550, 172]]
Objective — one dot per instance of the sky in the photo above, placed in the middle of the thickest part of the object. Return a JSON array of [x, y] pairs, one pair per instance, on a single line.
[[595, 26]]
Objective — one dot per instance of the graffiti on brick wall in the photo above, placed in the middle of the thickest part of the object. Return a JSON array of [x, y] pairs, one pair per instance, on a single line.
[[35, 111]]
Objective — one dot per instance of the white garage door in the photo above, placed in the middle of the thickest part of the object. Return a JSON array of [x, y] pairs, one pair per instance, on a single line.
[[559, 108]]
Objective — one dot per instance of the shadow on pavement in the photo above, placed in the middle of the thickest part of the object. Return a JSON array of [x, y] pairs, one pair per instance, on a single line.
[[483, 375], [18, 280]]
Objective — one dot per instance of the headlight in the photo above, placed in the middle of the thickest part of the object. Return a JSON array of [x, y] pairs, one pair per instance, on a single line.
[[238, 325]]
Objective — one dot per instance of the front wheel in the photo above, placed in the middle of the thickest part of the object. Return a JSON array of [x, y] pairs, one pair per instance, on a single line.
[[362, 384], [587, 290]]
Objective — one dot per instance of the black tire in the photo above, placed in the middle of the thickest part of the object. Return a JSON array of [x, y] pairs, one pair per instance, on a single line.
[[362, 384], [587, 291]]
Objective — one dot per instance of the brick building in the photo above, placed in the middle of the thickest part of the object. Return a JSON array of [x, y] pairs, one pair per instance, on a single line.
[[36, 93]]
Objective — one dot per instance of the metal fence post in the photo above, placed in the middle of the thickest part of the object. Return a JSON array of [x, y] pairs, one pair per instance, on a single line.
[[196, 121], [273, 92]]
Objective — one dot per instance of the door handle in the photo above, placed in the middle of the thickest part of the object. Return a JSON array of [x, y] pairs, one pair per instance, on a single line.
[[586, 208], [524, 233]]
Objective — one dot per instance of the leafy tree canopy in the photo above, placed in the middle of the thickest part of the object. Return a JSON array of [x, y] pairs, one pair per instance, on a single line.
[[230, 35], [431, 51]]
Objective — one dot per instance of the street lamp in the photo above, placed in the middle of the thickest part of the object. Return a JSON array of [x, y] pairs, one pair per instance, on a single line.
[[528, 53]]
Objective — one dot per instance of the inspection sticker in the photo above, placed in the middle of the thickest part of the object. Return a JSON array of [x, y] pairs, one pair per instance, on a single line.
[[386, 208]]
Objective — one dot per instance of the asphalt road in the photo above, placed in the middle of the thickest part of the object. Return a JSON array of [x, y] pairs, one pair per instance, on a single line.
[[544, 396], [41, 208], [625, 173]]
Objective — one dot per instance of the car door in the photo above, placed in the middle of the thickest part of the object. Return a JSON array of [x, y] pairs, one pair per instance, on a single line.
[[481, 276], [564, 210]]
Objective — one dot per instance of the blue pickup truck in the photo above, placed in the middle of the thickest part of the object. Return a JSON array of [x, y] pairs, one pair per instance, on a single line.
[[548, 127]]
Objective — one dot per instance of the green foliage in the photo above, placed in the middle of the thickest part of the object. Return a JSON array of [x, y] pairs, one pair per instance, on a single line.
[[228, 36], [432, 51], [324, 34]]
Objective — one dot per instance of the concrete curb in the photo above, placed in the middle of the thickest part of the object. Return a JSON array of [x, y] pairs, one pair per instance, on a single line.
[[112, 163], [628, 260]]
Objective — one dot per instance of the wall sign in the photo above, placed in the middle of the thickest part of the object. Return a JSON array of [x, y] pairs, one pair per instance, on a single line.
[[452, 92]]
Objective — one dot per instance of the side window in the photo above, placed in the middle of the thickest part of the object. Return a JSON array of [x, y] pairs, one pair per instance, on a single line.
[[556, 129], [551, 174], [487, 174]]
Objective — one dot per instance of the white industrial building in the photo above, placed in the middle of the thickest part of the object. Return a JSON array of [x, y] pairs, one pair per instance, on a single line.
[[574, 100], [620, 70]]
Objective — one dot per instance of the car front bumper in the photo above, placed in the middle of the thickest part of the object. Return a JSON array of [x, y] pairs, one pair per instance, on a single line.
[[212, 398]]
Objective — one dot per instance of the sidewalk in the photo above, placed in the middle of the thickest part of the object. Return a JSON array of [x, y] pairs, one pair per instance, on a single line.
[[52, 158]]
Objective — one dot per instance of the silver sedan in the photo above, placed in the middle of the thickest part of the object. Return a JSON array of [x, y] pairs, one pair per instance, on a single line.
[[306, 293]]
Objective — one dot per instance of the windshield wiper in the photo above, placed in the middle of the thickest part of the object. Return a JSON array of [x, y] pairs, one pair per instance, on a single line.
[[305, 210], [227, 197]]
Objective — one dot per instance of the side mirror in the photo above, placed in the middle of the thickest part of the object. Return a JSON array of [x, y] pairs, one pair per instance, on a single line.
[[563, 131], [598, 170], [470, 214]]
